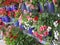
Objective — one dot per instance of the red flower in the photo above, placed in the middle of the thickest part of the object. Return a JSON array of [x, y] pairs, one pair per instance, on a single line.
[[6, 3], [9, 13], [46, 33], [58, 21], [36, 18], [2, 10]]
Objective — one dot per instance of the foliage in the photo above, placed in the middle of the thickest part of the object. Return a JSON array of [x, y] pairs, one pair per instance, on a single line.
[[22, 39]]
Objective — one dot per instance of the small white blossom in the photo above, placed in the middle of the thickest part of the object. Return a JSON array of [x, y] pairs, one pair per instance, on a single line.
[[56, 34], [58, 15], [49, 28], [33, 31], [55, 24]]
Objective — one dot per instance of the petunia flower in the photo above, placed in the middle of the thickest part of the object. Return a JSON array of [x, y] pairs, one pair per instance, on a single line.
[[2, 10], [49, 28], [55, 23], [45, 27], [56, 34], [36, 34], [46, 33], [58, 15], [40, 37], [42, 28], [9, 13], [29, 18], [36, 18]]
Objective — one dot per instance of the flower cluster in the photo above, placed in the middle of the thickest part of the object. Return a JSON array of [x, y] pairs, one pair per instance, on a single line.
[[45, 29], [39, 36], [42, 28]]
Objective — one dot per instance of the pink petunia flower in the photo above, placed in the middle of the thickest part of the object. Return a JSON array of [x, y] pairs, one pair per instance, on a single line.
[[42, 28], [46, 33], [40, 37], [36, 34], [45, 27], [29, 18]]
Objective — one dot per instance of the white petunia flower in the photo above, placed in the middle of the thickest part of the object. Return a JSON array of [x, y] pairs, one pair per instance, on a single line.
[[49, 28], [58, 15], [56, 34], [33, 31], [55, 24]]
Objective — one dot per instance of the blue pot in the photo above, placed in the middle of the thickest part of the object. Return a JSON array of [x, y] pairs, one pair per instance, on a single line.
[[30, 30], [22, 27], [8, 8], [23, 7], [6, 19], [49, 7], [3, 19], [45, 7], [16, 24], [12, 8], [52, 8], [39, 7]]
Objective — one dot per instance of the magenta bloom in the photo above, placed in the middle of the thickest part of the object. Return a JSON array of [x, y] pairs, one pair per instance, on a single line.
[[46, 33], [36, 34], [40, 37], [42, 28]]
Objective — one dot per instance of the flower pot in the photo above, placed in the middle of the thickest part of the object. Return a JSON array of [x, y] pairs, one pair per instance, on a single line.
[[6, 19], [23, 7], [13, 8], [52, 8], [30, 30], [40, 8], [8, 8], [22, 27], [16, 24]]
